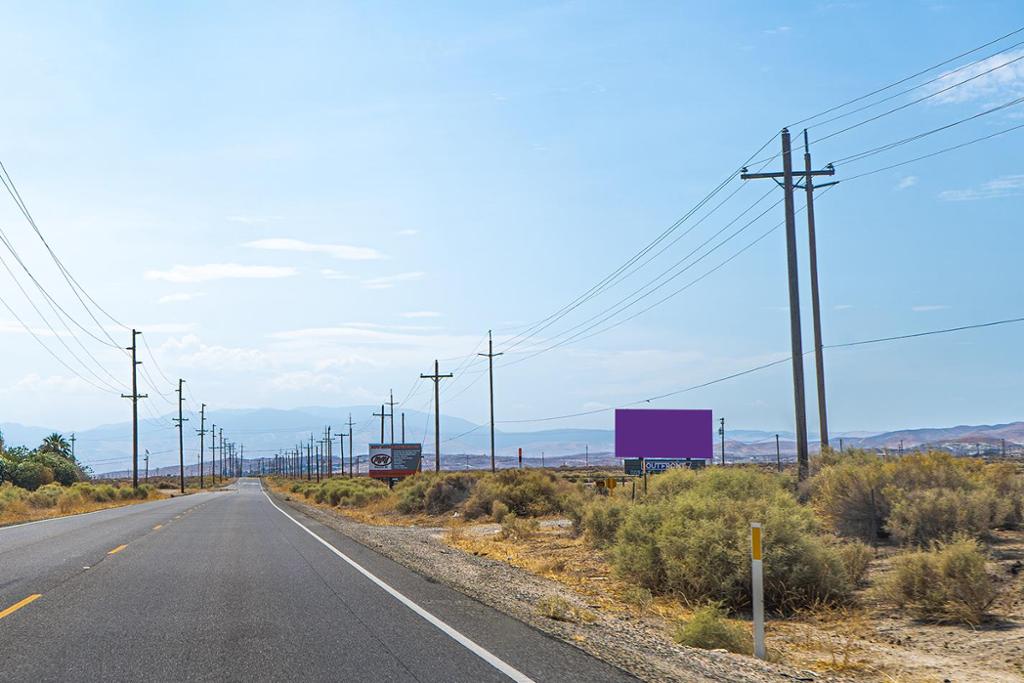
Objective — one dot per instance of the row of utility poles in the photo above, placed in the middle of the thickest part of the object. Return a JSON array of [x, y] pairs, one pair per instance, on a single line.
[[313, 460], [231, 463]]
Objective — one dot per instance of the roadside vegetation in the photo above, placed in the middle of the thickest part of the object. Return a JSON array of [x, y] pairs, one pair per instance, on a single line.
[[47, 481], [916, 540]]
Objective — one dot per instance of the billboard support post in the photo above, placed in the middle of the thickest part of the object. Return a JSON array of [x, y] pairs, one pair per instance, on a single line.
[[757, 588]]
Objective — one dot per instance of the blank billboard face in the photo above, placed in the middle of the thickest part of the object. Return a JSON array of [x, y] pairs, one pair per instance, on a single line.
[[663, 434]]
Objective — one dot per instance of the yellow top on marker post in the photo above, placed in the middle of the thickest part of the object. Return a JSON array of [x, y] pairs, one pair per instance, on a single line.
[[755, 541]]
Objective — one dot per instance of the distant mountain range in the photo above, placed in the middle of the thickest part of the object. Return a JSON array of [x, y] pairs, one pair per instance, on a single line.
[[265, 432]]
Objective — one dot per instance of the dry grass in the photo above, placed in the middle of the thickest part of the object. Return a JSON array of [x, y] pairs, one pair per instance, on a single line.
[[19, 512]]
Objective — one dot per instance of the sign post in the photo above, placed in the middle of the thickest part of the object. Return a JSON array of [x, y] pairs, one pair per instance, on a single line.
[[757, 581]]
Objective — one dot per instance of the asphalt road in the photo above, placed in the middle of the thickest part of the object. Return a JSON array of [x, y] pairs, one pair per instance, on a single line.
[[227, 586]]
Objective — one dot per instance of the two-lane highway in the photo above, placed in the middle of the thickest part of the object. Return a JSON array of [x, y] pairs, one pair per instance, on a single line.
[[229, 586]]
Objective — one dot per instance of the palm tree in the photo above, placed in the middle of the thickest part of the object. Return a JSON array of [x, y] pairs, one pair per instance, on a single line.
[[56, 443]]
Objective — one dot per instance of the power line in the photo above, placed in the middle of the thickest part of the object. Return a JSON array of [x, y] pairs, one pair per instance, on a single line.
[[765, 366], [906, 79]]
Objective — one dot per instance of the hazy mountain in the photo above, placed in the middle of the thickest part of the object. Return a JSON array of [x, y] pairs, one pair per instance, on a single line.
[[265, 432]]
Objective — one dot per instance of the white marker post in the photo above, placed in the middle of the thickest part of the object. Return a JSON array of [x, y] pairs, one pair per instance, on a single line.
[[757, 581]]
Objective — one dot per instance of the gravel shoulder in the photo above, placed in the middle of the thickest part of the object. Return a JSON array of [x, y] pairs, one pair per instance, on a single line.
[[628, 643]]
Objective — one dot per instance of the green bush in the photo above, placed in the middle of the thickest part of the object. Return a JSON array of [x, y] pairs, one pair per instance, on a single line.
[[691, 538], [601, 520], [45, 496], [527, 493], [946, 584], [11, 496], [499, 511], [855, 557], [342, 492], [31, 474], [918, 498], [435, 493], [709, 629]]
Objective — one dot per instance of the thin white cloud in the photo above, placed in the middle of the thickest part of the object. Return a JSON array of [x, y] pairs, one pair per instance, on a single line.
[[778, 30], [219, 271], [421, 314], [929, 307], [180, 296], [906, 182], [1005, 80], [408, 232], [842, 307], [253, 220], [339, 251], [388, 281], [1004, 186], [331, 274]]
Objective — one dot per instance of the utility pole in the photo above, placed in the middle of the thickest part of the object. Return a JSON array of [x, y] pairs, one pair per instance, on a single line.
[[181, 437], [221, 449], [403, 427], [490, 371], [135, 396], [341, 445], [721, 433], [391, 412], [146, 459], [72, 440], [586, 455], [330, 454], [202, 438], [350, 451], [778, 453], [812, 248], [799, 401], [437, 377], [381, 415], [309, 452], [213, 454]]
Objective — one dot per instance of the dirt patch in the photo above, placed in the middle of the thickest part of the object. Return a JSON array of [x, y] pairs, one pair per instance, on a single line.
[[582, 615]]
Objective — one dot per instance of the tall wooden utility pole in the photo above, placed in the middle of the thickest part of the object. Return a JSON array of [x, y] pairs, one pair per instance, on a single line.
[[73, 439], [328, 445], [437, 377], [181, 437], [381, 415], [721, 433], [391, 412], [135, 396], [202, 437], [341, 454], [350, 451], [213, 454], [220, 447], [403, 430], [812, 249], [796, 342], [490, 371]]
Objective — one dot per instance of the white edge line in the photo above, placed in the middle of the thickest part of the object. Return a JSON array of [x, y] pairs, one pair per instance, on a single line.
[[462, 640]]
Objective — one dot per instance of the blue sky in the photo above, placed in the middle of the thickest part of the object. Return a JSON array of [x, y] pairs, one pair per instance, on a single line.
[[306, 204]]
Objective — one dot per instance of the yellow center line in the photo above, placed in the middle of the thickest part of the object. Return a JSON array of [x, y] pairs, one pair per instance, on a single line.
[[158, 526], [117, 549], [18, 605]]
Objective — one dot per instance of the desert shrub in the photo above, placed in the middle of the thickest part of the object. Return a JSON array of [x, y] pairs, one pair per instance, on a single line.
[[70, 500], [560, 609], [848, 495], [855, 558], [45, 496], [947, 583], [601, 520], [918, 498], [527, 493], [64, 470], [31, 474], [103, 493], [499, 511], [12, 498], [435, 493], [638, 598], [922, 516], [709, 629], [516, 528], [691, 538], [343, 492]]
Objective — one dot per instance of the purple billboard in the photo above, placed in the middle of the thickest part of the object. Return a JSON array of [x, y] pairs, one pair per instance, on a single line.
[[663, 434]]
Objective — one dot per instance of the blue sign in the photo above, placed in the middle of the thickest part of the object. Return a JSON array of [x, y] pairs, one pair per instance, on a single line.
[[656, 465]]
